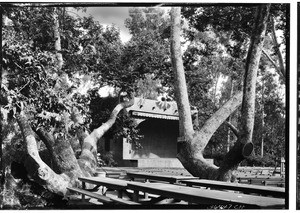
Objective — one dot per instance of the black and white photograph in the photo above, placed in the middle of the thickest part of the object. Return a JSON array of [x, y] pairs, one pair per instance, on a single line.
[[146, 106]]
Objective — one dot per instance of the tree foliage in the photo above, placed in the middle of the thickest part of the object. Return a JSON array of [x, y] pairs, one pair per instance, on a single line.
[[147, 51], [56, 100], [57, 97], [233, 24], [65, 101]]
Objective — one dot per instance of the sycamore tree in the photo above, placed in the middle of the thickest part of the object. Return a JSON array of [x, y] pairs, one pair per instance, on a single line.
[[193, 142], [54, 64], [51, 62], [230, 26]]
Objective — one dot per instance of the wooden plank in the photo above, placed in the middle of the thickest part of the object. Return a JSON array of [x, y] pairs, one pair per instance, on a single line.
[[158, 177], [203, 196], [113, 174], [99, 197], [274, 183], [261, 181], [111, 183], [262, 177], [123, 202], [246, 188], [130, 194]]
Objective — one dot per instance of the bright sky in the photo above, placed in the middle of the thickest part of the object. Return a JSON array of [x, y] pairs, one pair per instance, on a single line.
[[108, 16], [116, 16]]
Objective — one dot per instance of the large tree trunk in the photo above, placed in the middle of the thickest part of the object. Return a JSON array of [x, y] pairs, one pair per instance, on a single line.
[[36, 168], [61, 145], [186, 130], [192, 143], [190, 152], [60, 149]]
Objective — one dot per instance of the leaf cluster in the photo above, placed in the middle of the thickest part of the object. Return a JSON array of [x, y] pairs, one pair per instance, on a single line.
[[235, 21], [148, 49]]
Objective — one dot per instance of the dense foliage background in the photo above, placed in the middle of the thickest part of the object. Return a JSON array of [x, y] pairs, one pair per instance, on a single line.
[[61, 100]]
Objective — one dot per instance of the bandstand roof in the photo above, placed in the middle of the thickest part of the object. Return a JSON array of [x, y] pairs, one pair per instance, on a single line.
[[146, 108]]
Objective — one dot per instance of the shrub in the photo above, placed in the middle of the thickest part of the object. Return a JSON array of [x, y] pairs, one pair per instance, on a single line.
[[256, 160], [106, 159]]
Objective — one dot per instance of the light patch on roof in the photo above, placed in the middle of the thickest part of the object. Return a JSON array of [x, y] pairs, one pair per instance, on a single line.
[[154, 109]]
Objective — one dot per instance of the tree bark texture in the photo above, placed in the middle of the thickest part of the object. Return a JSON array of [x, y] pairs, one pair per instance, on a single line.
[[252, 63], [192, 144], [88, 158], [185, 125], [37, 169], [49, 142], [61, 150], [190, 149], [191, 152], [244, 146], [62, 154]]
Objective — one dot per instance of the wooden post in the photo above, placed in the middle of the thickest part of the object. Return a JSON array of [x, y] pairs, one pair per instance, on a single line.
[[83, 187], [104, 189], [282, 166], [101, 174], [146, 195], [136, 196], [120, 193]]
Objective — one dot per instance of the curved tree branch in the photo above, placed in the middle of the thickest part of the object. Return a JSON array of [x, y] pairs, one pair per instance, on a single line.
[[87, 159], [190, 149], [233, 129], [46, 137], [191, 152], [213, 123], [49, 142], [61, 152], [37, 169]]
